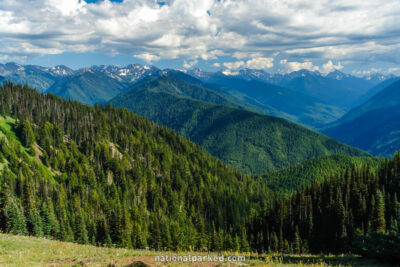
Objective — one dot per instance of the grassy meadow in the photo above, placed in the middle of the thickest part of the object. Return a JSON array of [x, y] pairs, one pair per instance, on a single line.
[[33, 251]]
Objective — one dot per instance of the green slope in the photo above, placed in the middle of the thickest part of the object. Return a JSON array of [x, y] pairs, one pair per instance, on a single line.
[[175, 85], [88, 87], [372, 126], [39, 80], [106, 176], [301, 175], [251, 142]]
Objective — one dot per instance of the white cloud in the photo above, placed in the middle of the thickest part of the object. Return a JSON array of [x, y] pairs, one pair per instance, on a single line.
[[147, 57], [291, 66], [260, 63], [388, 71], [230, 72], [329, 67], [302, 30], [234, 65], [254, 63], [393, 70], [242, 55], [216, 64], [188, 65]]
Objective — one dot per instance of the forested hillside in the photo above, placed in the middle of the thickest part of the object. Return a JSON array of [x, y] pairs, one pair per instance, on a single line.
[[106, 176], [301, 175], [332, 216], [251, 142]]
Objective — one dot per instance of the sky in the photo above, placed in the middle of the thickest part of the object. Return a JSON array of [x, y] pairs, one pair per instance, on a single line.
[[358, 37]]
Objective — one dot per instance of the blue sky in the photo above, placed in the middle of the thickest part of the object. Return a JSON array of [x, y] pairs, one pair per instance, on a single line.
[[359, 36]]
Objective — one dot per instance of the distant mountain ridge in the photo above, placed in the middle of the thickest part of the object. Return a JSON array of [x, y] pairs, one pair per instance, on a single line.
[[372, 126], [335, 88], [131, 73], [38, 77], [42, 78], [87, 86], [277, 100]]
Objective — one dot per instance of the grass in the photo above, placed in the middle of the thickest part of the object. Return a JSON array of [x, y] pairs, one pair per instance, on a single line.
[[6, 127], [33, 251]]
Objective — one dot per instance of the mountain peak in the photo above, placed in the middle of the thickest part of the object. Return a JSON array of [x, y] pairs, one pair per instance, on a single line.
[[337, 75], [60, 70], [85, 70], [12, 66]]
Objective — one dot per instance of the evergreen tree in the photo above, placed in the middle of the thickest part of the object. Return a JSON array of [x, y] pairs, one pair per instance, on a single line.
[[378, 220]]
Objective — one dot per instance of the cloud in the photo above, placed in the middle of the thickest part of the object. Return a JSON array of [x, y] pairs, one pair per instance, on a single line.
[[260, 63], [188, 65], [147, 57], [216, 64], [230, 72], [291, 66], [241, 55], [392, 70], [363, 31], [366, 72], [388, 71], [329, 67], [234, 65]]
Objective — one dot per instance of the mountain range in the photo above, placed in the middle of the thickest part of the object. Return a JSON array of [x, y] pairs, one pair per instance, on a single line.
[[318, 101], [277, 100], [343, 91], [38, 77], [335, 88]]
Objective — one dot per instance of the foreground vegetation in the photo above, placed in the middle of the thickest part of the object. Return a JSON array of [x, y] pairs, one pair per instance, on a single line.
[[31, 251]]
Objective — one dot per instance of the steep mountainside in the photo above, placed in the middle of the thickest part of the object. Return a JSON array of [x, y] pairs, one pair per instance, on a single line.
[[278, 101], [376, 89], [105, 176], [252, 142], [88, 87], [373, 126]]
